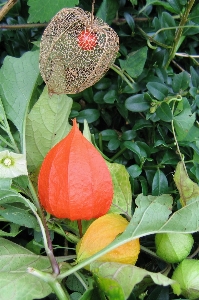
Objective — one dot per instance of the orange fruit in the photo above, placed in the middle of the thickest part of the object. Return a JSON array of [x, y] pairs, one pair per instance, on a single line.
[[100, 234]]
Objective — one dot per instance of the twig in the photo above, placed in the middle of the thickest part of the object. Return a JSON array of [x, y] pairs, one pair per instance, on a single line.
[[22, 26], [178, 66], [179, 31], [6, 8]]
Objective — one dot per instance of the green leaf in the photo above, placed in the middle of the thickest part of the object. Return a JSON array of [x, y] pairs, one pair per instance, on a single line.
[[18, 78], [164, 112], [194, 75], [14, 230], [125, 277], [18, 216], [110, 96], [160, 3], [113, 144], [134, 171], [167, 20], [181, 82], [184, 121], [110, 287], [15, 282], [90, 114], [158, 90], [136, 148], [134, 64], [8, 196], [5, 183], [47, 124], [186, 187], [137, 103], [108, 134], [45, 10], [159, 184], [107, 10], [122, 189]]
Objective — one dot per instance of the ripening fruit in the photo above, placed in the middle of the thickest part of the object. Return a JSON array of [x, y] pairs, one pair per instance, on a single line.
[[87, 40], [100, 234], [186, 276], [173, 247], [74, 181]]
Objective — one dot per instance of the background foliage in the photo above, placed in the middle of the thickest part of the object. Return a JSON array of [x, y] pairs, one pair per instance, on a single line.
[[137, 123]]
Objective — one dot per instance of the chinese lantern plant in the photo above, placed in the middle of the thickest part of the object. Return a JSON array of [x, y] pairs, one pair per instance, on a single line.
[[74, 181]]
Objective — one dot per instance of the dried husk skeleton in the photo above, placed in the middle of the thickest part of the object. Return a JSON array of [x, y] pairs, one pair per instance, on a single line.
[[65, 67]]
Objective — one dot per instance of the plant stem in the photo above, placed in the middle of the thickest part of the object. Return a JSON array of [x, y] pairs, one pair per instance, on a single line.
[[46, 235], [60, 292], [5, 9], [79, 223], [120, 72], [176, 141], [179, 31], [22, 26], [142, 248], [118, 154]]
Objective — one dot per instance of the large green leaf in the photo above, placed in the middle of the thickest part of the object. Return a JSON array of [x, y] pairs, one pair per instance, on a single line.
[[125, 277], [18, 78], [122, 189], [15, 282], [43, 11], [47, 124]]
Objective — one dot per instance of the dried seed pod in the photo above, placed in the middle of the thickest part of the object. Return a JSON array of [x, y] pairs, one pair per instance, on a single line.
[[68, 63]]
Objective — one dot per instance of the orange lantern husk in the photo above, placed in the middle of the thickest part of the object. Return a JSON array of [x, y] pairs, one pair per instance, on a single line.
[[74, 181]]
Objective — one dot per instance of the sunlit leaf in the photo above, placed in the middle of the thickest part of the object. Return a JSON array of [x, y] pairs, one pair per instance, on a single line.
[[122, 189], [186, 187]]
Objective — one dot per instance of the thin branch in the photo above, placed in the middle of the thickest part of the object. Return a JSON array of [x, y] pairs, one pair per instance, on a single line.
[[5, 9], [22, 26], [178, 66], [179, 31]]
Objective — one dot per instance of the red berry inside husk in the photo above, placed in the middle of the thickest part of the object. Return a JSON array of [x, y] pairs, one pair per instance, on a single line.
[[87, 40]]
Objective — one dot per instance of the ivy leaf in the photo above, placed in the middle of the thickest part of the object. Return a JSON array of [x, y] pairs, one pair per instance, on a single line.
[[18, 78], [15, 282], [122, 189], [186, 187], [124, 277], [47, 124], [44, 11]]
